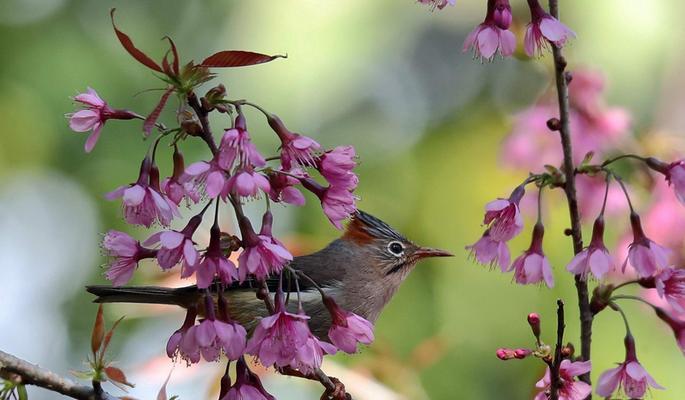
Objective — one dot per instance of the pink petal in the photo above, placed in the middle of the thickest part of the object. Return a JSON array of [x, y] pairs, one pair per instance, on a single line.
[[116, 193], [215, 183], [488, 41], [93, 138], [608, 381], [134, 195], [529, 43], [84, 120], [171, 239], [153, 239], [189, 252], [197, 168], [507, 43]]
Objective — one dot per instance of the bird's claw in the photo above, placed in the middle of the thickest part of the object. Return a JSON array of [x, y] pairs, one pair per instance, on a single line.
[[338, 393]]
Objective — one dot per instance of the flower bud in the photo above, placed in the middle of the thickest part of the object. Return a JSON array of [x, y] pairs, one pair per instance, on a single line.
[[505, 354], [534, 322]]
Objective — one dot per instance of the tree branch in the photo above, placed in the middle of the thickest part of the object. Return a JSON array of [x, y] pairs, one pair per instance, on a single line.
[[202, 114], [555, 381], [31, 374], [570, 190]]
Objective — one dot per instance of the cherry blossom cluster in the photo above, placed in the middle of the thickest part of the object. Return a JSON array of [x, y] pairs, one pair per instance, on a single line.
[[236, 172], [493, 36]]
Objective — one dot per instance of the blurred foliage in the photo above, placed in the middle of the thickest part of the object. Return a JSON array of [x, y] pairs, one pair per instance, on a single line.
[[388, 77]]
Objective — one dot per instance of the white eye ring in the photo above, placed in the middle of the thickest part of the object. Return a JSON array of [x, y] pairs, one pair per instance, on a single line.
[[396, 248]]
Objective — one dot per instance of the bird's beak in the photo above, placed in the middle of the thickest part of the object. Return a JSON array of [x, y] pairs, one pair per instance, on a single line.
[[424, 252]]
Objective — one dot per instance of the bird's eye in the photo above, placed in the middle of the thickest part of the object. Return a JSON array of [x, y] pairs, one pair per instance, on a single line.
[[396, 248]]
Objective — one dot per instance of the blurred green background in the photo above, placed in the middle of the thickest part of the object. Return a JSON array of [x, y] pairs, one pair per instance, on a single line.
[[386, 76]]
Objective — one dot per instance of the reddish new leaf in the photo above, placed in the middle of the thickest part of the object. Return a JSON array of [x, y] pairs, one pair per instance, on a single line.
[[151, 119], [98, 331], [175, 53], [116, 375], [131, 48], [108, 337], [237, 58]]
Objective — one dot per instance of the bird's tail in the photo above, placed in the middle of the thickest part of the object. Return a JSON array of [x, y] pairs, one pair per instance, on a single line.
[[144, 294]]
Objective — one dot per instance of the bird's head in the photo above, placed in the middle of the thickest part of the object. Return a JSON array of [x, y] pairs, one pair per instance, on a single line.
[[388, 252]]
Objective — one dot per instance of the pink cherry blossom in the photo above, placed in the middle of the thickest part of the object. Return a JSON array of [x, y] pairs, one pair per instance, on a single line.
[[532, 266], [338, 205], [247, 385], [94, 116], [296, 149], [337, 165], [263, 254], [645, 256], [670, 285], [214, 263], [247, 183], [176, 187], [595, 258], [663, 220], [543, 28], [629, 375], [278, 337], [439, 4], [126, 253], [176, 245], [676, 177], [143, 201], [173, 347], [347, 329], [492, 35], [310, 355], [283, 186], [488, 251], [237, 148], [213, 337], [570, 388], [504, 217], [208, 177]]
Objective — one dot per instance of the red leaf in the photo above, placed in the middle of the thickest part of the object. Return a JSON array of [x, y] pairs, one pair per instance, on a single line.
[[108, 337], [98, 331], [175, 53], [131, 48], [152, 118], [117, 375], [237, 58]]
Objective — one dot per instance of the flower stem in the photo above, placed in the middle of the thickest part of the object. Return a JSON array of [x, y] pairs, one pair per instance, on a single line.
[[630, 297], [615, 307], [570, 190], [622, 156]]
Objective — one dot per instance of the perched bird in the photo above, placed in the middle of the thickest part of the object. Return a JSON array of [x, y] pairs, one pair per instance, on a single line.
[[361, 271]]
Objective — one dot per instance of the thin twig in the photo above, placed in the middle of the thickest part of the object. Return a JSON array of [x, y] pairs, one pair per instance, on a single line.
[[204, 121], [570, 190], [555, 380], [31, 374]]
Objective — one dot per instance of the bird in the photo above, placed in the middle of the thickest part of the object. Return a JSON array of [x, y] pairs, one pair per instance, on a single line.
[[361, 271]]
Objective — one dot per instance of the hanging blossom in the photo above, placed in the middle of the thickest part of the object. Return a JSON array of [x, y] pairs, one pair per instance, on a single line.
[[439, 4], [543, 28], [177, 187], [296, 149], [207, 177], [143, 201], [177, 246], [337, 203], [532, 266], [629, 375], [488, 251], [282, 184], [213, 336], [347, 329], [646, 257], [493, 34], [173, 346], [247, 385], [214, 263], [277, 338], [569, 388], [337, 167], [595, 258], [263, 254], [237, 147], [247, 183], [674, 173], [670, 285], [126, 253], [93, 116]]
